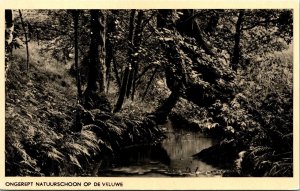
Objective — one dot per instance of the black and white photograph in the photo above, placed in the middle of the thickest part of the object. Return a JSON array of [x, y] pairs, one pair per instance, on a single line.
[[143, 93]]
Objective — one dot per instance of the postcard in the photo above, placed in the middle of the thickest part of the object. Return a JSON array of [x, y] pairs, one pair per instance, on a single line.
[[150, 95]]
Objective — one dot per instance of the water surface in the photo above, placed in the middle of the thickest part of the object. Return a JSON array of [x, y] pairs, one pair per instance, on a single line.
[[172, 157]]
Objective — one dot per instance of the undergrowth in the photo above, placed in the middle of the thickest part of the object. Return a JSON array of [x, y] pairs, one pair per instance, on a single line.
[[269, 89], [259, 120], [40, 111]]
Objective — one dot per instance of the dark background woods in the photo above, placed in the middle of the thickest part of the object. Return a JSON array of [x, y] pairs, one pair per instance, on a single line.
[[84, 83]]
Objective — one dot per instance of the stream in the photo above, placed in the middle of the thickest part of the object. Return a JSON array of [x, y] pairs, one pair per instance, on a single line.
[[171, 158]]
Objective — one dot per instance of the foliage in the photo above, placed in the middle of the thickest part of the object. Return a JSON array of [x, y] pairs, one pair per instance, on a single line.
[[260, 116], [39, 114], [263, 31]]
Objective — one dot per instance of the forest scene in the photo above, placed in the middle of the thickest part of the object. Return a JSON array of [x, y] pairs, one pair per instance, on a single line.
[[149, 93]]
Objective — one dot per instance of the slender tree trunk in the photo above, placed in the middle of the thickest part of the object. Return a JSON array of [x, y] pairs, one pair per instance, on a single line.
[[109, 59], [130, 80], [78, 82], [138, 78], [102, 22], [137, 43], [75, 15], [125, 78], [38, 36], [150, 82], [111, 29], [237, 38], [122, 94], [134, 47], [115, 69], [137, 38], [26, 40]]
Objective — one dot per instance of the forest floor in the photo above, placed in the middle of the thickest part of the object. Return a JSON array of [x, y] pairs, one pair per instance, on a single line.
[[42, 95], [40, 111]]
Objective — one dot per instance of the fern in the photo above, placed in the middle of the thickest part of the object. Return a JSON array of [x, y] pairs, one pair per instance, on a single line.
[[114, 129], [74, 161], [106, 145], [89, 135], [76, 149], [254, 151], [91, 145], [280, 169], [89, 140], [55, 155]]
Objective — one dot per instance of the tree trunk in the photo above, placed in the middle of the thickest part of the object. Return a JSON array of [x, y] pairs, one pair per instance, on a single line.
[[175, 74], [145, 70], [75, 15], [108, 61], [188, 25], [26, 40], [94, 94], [136, 42], [122, 94], [78, 125], [97, 68], [128, 68], [111, 29], [115, 69], [9, 28], [130, 79], [237, 38], [164, 110], [150, 82]]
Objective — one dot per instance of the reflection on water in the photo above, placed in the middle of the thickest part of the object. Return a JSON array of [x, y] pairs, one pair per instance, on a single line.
[[173, 157]]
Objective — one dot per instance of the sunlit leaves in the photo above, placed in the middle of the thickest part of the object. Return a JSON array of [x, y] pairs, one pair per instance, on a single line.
[[74, 161], [55, 155]]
